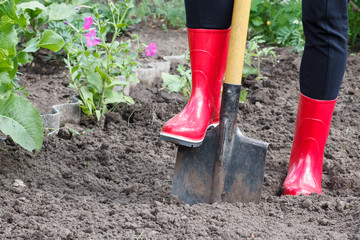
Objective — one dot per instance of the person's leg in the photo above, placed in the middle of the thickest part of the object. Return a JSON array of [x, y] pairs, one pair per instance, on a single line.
[[208, 14], [321, 73], [208, 23], [323, 64]]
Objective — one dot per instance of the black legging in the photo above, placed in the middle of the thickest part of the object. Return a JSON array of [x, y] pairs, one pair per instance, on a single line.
[[208, 14], [323, 64], [325, 27]]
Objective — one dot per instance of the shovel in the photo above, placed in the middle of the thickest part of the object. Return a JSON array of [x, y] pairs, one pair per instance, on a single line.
[[227, 167]]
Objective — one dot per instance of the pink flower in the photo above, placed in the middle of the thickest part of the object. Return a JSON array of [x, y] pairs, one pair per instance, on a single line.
[[91, 39], [151, 50], [88, 22]]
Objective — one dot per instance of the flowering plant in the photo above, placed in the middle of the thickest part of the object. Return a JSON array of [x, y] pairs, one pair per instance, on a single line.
[[18, 117], [96, 65]]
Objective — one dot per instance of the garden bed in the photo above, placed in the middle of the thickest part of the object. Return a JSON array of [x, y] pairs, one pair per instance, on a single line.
[[113, 179]]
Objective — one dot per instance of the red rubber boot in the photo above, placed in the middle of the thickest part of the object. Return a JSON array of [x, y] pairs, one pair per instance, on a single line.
[[306, 160], [208, 53]]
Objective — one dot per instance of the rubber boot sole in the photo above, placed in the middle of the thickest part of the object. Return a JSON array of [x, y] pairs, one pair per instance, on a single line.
[[183, 141]]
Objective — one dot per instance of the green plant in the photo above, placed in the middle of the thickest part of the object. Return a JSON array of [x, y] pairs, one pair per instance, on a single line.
[[254, 53], [243, 96], [179, 83], [348, 208], [95, 68], [18, 117], [106, 13], [354, 26], [279, 22], [292, 36], [39, 15], [172, 11]]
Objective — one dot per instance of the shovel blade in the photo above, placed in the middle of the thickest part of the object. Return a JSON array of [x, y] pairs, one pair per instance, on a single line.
[[243, 169], [194, 171]]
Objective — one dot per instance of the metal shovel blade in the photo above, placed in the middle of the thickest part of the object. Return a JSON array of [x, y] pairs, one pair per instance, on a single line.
[[195, 171], [227, 166]]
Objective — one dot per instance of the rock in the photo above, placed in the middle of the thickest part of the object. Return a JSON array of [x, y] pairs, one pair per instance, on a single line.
[[18, 183], [340, 205], [162, 218], [104, 146], [258, 105], [306, 203], [324, 222]]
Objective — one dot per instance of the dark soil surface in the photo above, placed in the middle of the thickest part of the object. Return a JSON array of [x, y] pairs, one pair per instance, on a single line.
[[113, 180]]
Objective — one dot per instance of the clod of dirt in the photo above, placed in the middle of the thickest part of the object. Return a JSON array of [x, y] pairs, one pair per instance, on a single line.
[[306, 203], [64, 133]]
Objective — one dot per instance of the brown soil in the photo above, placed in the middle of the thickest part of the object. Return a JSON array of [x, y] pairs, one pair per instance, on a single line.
[[113, 181]]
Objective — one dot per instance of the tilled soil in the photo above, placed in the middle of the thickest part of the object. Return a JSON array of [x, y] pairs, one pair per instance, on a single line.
[[113, 180]]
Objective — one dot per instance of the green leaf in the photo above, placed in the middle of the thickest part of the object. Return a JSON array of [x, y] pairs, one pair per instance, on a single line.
[[98, 114], [257, 21], [34, 6], [13, 72], [172, 82], [22, 122], [3, 53], [8, 8], [86, 102], [24, 57], [102, 29], [22, 21], [32, 45], [133, 78], [102, 74], [6, 64], [254, 5], [60, 11], [114, 97], [121, 25], [118, 83], [249, 71], [129, 100], [95, 81], [243, 95], [5, 83], [52, 41], [8, 39]]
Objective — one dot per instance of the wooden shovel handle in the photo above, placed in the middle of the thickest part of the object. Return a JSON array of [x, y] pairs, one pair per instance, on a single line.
[[237, 44]]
